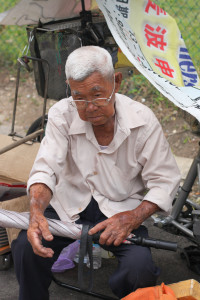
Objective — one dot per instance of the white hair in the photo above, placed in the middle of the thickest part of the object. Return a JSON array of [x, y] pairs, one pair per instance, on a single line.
[[86, 60]]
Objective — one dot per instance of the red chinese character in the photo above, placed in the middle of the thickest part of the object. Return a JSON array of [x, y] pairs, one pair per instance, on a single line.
[[153, 38], [165, 68], [155, 7]]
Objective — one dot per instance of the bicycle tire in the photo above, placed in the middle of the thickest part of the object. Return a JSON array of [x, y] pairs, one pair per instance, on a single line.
[[36, 125]]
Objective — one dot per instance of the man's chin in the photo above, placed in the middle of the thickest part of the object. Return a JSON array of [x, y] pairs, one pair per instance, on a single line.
[[96, 120]]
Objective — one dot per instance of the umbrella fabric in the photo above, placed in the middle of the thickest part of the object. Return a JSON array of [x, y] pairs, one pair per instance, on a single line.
[[30, 11], [12, 219]]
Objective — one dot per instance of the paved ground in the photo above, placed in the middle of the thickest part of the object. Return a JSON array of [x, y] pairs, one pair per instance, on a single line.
[[173, 268]]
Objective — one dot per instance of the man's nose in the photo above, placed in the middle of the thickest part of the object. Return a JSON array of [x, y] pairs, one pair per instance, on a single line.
[[91, 106]]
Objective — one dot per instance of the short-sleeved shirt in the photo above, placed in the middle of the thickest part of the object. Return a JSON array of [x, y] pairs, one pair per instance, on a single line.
[[137, 165]]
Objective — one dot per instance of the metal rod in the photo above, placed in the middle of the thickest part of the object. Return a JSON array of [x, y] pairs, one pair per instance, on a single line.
[[186, 188], [183, 228], [22, 141], [193, 204], [16, 95], [45, 97], [83, 5], [41, 60], [77, 289]]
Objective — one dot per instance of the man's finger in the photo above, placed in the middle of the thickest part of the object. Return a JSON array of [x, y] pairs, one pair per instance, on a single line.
[[43, 251], [107, 239], [38, 248], [44, 227], [110, 235], [98, 227]]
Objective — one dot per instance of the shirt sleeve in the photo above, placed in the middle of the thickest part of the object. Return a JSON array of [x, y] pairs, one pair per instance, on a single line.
[[52, 153], [160, 172]]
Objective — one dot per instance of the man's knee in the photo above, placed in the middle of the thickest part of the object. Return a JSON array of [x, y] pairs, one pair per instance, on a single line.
[[145, 272], [135, 270], [21, 245]]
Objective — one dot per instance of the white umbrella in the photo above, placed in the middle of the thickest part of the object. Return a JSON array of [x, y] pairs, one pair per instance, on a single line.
[[30, 12], [12, 219]]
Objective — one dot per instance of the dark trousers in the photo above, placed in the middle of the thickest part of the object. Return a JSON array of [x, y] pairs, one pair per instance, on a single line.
[[135, 266]]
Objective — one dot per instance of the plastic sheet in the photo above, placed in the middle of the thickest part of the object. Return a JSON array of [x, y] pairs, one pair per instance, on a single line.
[[65, 259]]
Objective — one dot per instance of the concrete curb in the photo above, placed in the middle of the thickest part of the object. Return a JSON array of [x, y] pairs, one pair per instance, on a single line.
[[184, 165]]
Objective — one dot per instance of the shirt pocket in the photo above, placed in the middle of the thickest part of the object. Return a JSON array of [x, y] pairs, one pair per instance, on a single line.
[[113, 183]]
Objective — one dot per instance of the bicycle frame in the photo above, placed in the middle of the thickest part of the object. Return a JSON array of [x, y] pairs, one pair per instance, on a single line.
[[182, 224], [25, 60]]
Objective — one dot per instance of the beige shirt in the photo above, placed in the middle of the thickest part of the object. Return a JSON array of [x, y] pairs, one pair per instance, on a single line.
[[137, 165]]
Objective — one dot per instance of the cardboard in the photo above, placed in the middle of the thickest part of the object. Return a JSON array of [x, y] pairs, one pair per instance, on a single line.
[[186, 290], [16, 164]]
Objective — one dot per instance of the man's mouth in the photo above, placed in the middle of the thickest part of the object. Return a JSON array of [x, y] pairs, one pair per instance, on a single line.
[[94, 117]]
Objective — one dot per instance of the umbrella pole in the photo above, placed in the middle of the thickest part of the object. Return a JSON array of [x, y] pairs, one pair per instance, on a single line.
[[83, 5]]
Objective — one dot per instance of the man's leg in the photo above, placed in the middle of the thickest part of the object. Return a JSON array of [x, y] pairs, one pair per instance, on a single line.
[[34, 272], [135, 267]]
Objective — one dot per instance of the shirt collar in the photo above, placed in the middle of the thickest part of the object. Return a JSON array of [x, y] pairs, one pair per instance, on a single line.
[[128, 113], [77, 126]]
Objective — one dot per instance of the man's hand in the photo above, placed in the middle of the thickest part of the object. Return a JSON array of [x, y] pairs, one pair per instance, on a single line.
[[40, 196], [38, 228], [117, 228]]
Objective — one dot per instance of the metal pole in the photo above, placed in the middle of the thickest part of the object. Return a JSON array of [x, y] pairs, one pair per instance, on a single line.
[[41, 60], [77, 289], [15, 102], [186, 188], [83, 5], [22, 141]]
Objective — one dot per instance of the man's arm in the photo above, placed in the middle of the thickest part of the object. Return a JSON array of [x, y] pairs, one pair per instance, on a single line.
[[117, 228], [40, 196]]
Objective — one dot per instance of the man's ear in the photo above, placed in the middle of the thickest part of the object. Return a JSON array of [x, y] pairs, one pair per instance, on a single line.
[[118, 80]]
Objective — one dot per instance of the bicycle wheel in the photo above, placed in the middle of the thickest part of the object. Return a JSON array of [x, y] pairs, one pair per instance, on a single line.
[[36, 125]]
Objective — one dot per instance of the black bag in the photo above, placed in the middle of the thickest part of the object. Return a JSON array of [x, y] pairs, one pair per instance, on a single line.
[[54, 41]]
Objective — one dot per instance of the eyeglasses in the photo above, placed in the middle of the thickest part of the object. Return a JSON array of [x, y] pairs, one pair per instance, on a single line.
[[82, 104]]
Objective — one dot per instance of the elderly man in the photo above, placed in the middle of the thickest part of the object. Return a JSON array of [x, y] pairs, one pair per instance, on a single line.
[[104, 161]]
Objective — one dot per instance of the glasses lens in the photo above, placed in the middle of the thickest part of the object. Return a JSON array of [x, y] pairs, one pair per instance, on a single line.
[[79, 104], [100, 101]]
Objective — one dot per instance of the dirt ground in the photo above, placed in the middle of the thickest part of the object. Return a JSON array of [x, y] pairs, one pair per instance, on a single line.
[[177, 130], [30, 106]]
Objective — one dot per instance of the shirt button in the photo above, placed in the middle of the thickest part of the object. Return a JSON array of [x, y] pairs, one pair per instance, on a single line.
[[100, 153], [80, 209], [95, 173]]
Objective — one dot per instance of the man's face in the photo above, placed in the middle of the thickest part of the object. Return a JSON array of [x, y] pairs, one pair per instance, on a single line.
[[94, 86]]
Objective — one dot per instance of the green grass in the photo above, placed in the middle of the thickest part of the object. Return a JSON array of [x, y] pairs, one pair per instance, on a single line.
[[186, 13], [187, 16], [13, 38], [138, 86]]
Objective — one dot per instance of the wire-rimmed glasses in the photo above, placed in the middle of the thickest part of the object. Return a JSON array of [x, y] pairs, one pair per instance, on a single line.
[[82, 104]]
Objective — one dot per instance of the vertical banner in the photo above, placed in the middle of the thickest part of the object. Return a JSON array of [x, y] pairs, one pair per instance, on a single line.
[[152, 42]]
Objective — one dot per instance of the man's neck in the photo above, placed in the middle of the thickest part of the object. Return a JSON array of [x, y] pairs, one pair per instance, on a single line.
[[105, 133]]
